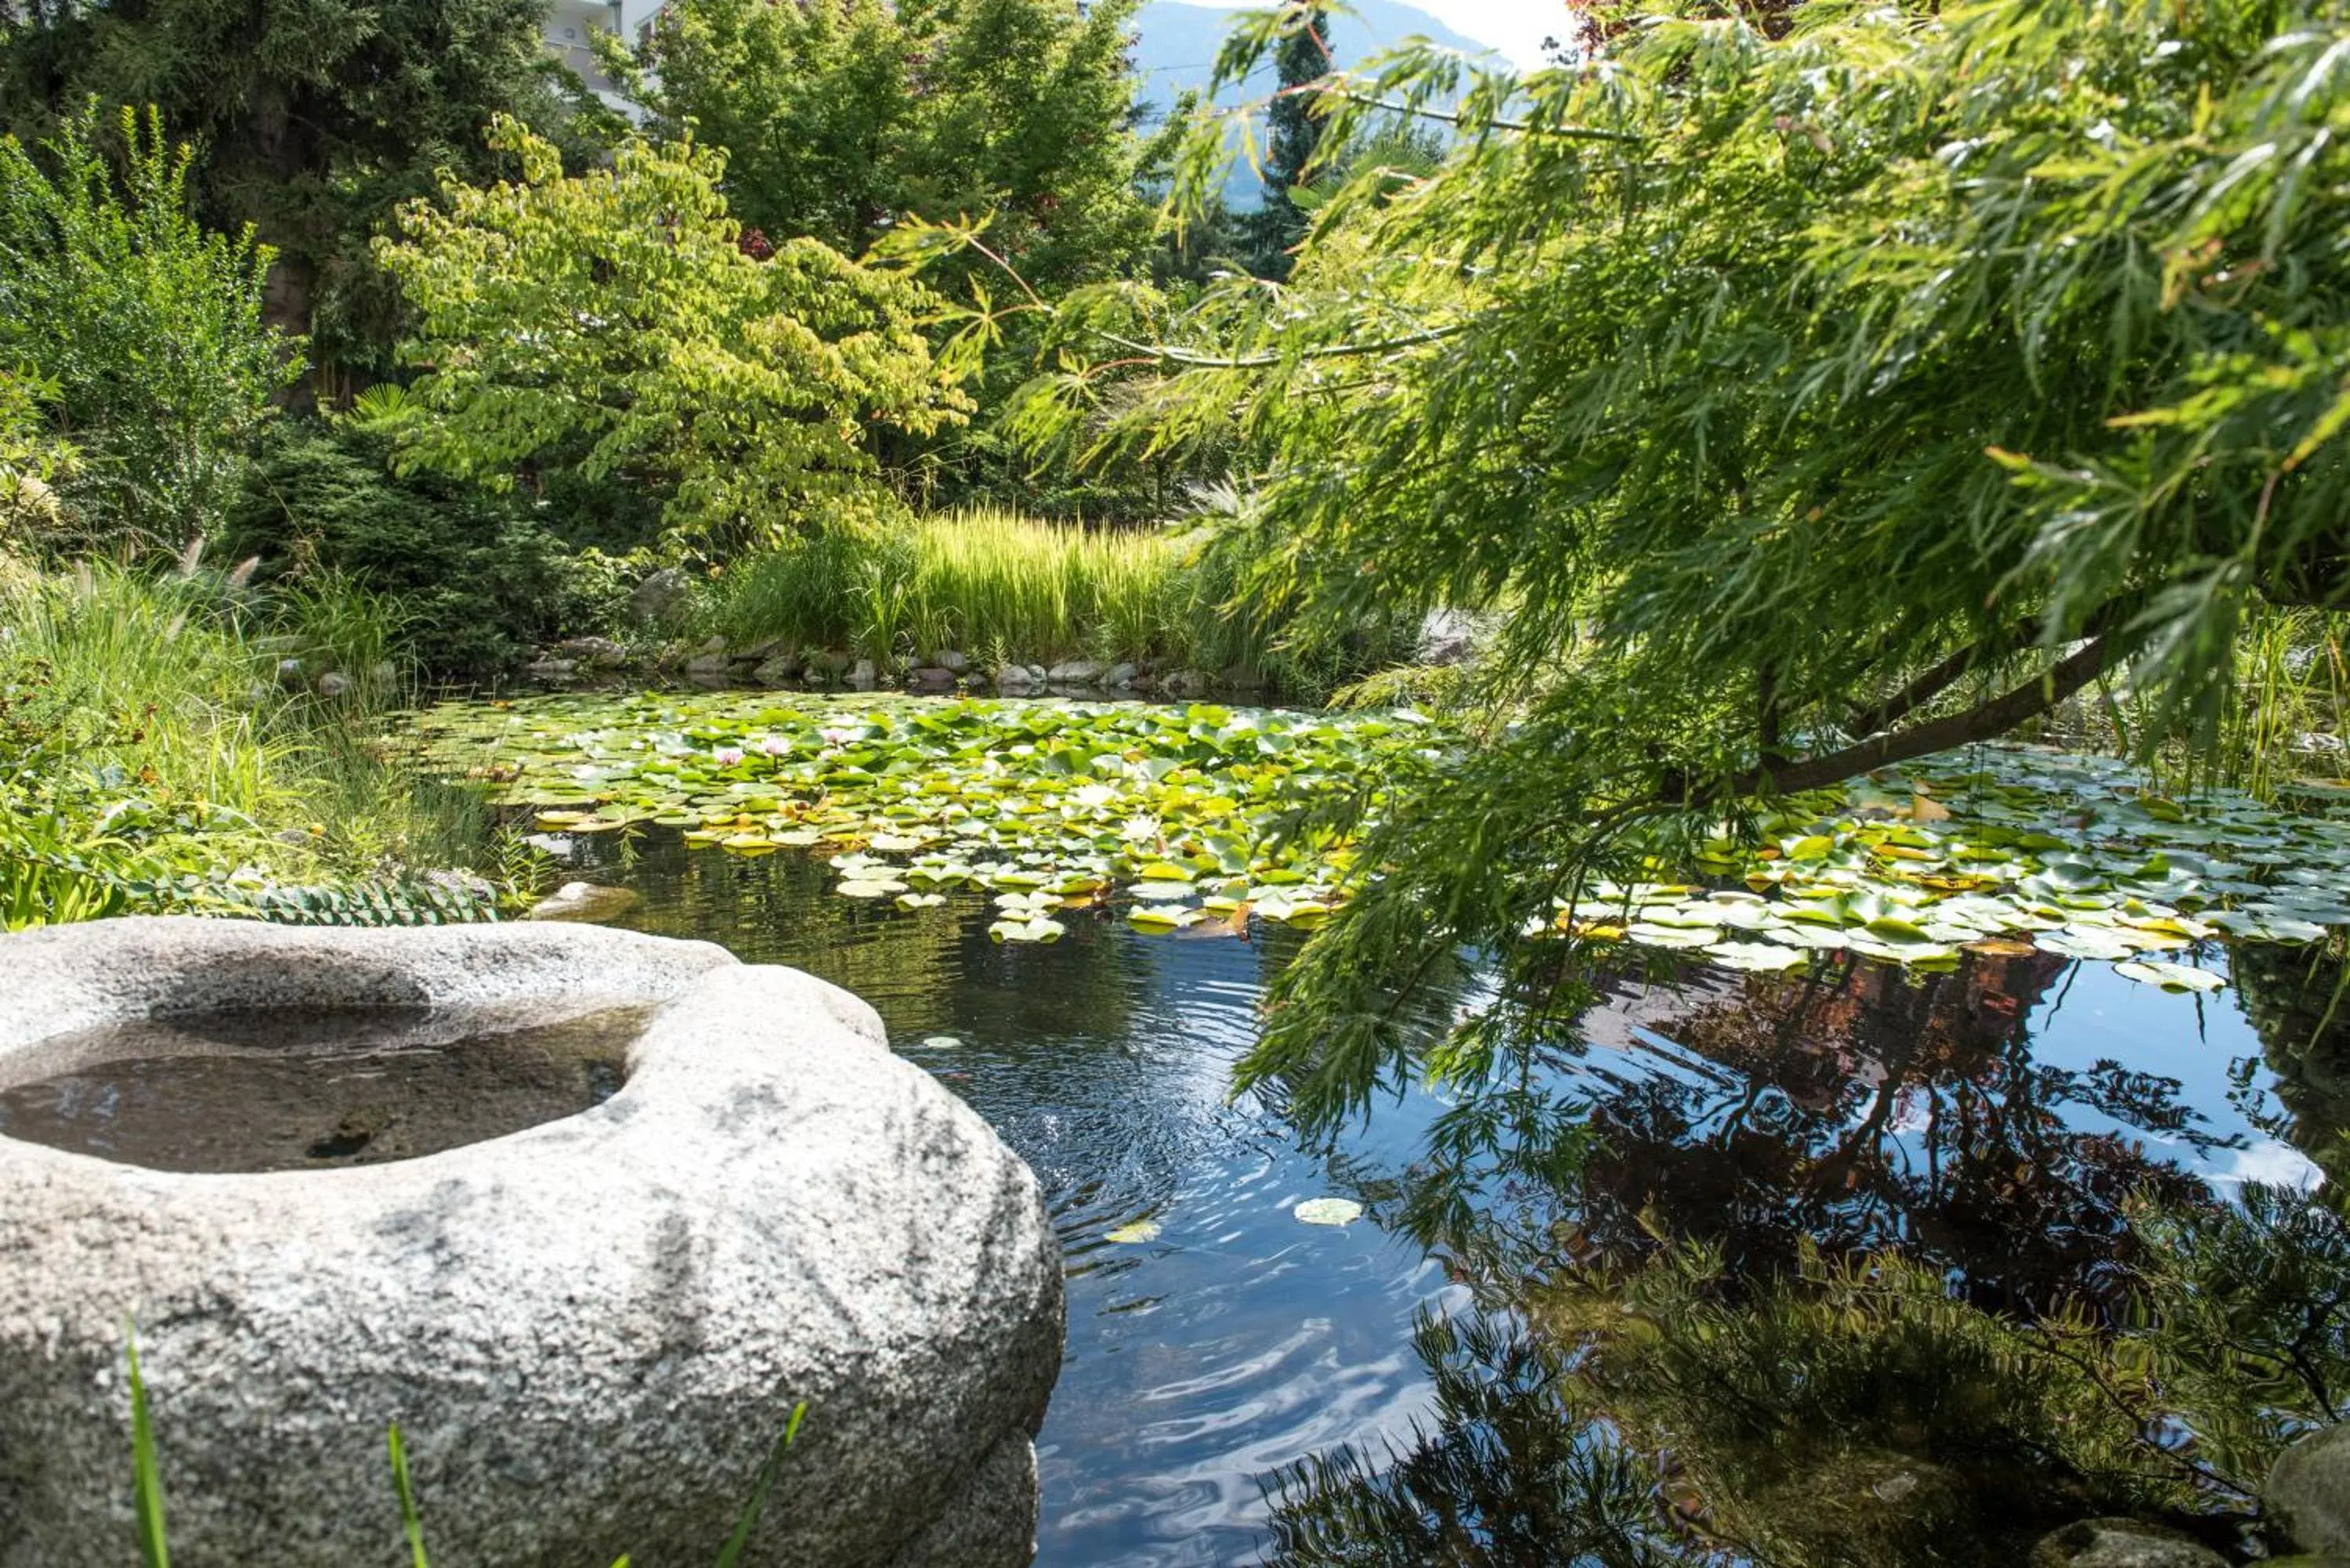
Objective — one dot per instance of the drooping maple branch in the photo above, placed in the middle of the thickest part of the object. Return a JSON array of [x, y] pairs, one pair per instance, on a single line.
[[1444, 116], [1985, 721], [1932, 682]]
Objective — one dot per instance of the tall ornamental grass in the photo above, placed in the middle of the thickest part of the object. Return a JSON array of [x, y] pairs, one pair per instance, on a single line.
[[146, 734], [997, 585]]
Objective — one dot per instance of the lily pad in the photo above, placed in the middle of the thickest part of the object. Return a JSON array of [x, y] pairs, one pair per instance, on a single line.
[[1178, 806], [1328, 1211], [2170, 976]]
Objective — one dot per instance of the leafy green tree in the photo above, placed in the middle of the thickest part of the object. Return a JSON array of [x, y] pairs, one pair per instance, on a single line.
[[143, 328], [613, 324], [841, 116], [315, 119], [1812, 401]]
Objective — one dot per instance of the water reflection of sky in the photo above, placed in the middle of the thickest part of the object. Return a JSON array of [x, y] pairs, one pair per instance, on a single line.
[[2098, 1016], [1239, 1340]]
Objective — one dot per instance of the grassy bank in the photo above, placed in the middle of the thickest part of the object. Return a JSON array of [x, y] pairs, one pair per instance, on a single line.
[[997, 585], [183, 743]]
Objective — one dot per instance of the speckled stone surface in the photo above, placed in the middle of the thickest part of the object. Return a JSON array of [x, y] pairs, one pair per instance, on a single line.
[[590, 1331]]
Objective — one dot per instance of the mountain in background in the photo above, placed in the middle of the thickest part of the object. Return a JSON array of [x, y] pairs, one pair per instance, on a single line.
[[1176, 45]]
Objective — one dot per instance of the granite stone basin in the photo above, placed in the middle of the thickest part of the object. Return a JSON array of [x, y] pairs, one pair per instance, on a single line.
[[590, 1304]]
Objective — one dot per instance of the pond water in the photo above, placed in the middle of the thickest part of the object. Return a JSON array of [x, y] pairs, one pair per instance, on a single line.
[[1994, 1120]]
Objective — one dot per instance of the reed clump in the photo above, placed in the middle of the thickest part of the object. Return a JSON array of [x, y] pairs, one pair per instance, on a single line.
[[997, 585], [185, 740]]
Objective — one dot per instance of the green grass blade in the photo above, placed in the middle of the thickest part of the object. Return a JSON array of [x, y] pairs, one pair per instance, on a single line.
[[767, 1473], [407, 1516], [147, 1479]]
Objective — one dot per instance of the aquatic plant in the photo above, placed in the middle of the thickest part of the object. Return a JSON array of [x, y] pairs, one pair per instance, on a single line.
[[1203, 812], [995, 584]]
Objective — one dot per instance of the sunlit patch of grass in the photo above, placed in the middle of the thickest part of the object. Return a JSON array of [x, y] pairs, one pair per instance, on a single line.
[[996, 583], [145, 732]]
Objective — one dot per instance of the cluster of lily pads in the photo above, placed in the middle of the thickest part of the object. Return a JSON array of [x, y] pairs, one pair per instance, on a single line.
[[1176, 813], [1186, 816], [1999, 849]]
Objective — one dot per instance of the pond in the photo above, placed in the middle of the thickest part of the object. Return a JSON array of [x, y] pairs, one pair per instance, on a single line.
[[1993, 1115]]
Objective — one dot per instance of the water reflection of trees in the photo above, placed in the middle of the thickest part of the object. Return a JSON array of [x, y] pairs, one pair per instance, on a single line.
[[1923, 1327], [1855, 1107], [1864, 1106], [780, 908], [1512, 1469], [2299, 1001]]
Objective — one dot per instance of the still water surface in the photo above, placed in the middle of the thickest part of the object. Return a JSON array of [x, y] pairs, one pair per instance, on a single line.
[[1993, 1120]]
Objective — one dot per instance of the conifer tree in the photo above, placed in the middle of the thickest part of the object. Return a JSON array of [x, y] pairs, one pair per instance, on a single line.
[[1294, 134]]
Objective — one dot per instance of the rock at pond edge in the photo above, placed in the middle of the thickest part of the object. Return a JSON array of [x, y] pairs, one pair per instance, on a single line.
[[2307, 1498], [2122, 1543], [590, 1331], [582, 901]]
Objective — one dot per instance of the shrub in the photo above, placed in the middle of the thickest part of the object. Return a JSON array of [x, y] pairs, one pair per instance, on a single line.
[[145, 329], [612, 324], [479, 576]]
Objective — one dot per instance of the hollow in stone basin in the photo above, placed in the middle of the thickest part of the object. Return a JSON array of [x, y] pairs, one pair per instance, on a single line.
[[308, 1090]]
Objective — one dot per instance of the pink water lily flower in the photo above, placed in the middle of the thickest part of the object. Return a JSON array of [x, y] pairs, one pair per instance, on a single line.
[[837, 737], [728, 757], [775, 745]]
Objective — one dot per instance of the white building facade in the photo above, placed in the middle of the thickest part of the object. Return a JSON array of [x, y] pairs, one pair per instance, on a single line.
[[570, 24]]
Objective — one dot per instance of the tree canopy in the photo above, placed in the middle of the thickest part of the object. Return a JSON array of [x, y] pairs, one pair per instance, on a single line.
[[616, 322], [314, 119], [840, 117], [1815, 396]]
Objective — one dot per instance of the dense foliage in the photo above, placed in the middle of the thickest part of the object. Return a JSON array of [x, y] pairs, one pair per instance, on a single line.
[[143, 327], [481, 576], [1816, 401], [614, 323], [163, 749], [841, 117], [315, 120]]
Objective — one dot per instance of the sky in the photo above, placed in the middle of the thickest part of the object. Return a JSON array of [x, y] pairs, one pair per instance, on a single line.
[[1515, 27]]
